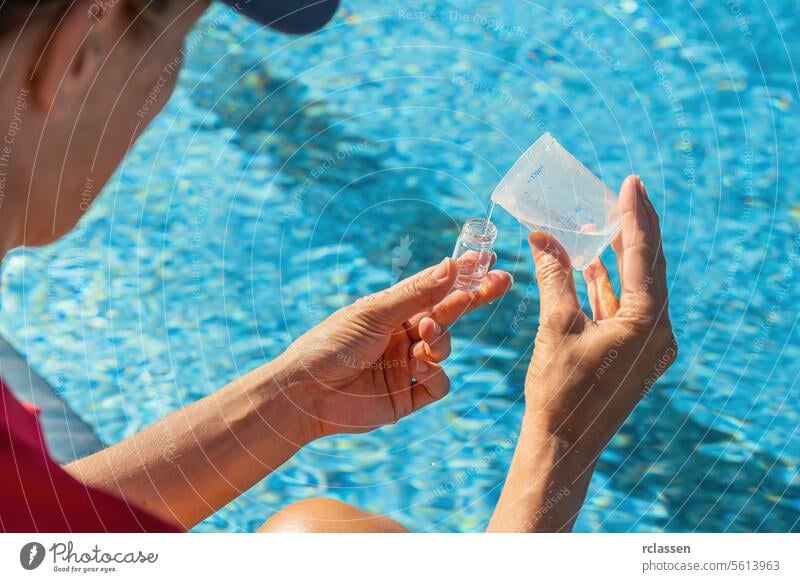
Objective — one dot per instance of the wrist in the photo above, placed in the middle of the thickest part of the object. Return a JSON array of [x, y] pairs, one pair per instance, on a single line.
[[546, 483], [548, 434], [277, 389]]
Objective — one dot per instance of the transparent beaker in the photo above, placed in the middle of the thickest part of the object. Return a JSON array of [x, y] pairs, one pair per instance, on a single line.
[[548, 189], [473, 252]]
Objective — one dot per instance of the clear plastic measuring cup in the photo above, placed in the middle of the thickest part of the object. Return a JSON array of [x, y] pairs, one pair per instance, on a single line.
[[548, 189]]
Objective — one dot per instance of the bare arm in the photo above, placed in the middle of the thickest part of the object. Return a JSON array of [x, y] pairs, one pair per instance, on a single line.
[[545, 486], [586, 375], [358, 370], [189, 464]]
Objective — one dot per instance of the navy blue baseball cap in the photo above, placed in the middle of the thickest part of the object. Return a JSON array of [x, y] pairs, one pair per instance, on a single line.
[[292, 16]]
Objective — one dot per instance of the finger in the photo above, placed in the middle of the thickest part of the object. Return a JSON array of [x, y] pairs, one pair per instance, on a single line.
[[435, 344], [453, 307], [388, 309], [652, 215], [554, 276], [397, 374], [458, 303], [616, 244], [436, 351], [602, 298], [430, 330], [432, 383], [660, 268], [639, 250]]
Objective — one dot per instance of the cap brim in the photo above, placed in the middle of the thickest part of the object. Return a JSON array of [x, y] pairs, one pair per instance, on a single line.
[[290, 16]]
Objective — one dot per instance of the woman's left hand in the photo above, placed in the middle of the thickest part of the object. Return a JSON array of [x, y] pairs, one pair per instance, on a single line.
[[378, 360]]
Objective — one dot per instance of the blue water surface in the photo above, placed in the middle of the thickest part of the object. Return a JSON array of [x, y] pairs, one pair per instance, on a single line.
[[289, 176]]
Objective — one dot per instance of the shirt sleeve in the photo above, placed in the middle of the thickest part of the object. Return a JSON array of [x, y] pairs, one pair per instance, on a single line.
[[37, 495]]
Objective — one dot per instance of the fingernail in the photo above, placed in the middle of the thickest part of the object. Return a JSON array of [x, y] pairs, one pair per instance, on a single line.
[[537, 240], [437, 329], [442, 269], [421, 366], [420, 347], [641, 189]]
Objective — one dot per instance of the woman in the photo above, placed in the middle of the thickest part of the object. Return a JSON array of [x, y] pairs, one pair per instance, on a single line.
[[76, 77]]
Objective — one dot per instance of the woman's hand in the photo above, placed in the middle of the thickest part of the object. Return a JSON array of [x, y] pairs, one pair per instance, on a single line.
[[378, 360], [587, 375], [352, 373]]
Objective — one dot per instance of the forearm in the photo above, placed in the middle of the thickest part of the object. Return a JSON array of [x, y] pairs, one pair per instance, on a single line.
[[545, 487], [197, 459]]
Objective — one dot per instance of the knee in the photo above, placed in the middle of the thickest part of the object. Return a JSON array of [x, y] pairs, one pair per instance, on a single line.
[[321, 515]]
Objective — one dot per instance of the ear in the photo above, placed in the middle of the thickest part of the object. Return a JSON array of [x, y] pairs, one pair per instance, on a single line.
[[73, 54]]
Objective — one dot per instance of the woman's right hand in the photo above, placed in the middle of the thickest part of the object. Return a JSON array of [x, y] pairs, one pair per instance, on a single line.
[[587, 374], [380, 359]]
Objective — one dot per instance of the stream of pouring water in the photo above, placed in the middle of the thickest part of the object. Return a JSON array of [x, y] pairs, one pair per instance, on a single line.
[[489, 211]]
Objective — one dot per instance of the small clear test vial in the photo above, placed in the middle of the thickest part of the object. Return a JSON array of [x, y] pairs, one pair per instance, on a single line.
[[473, 252]]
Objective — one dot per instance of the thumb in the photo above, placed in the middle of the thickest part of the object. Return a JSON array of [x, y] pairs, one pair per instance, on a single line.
[[395, 305], [554, 275]]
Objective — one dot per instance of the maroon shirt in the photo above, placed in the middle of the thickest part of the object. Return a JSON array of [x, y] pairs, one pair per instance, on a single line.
[[37, 495]]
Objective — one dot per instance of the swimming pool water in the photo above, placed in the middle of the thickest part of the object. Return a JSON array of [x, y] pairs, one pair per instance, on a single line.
[[287, 177]]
